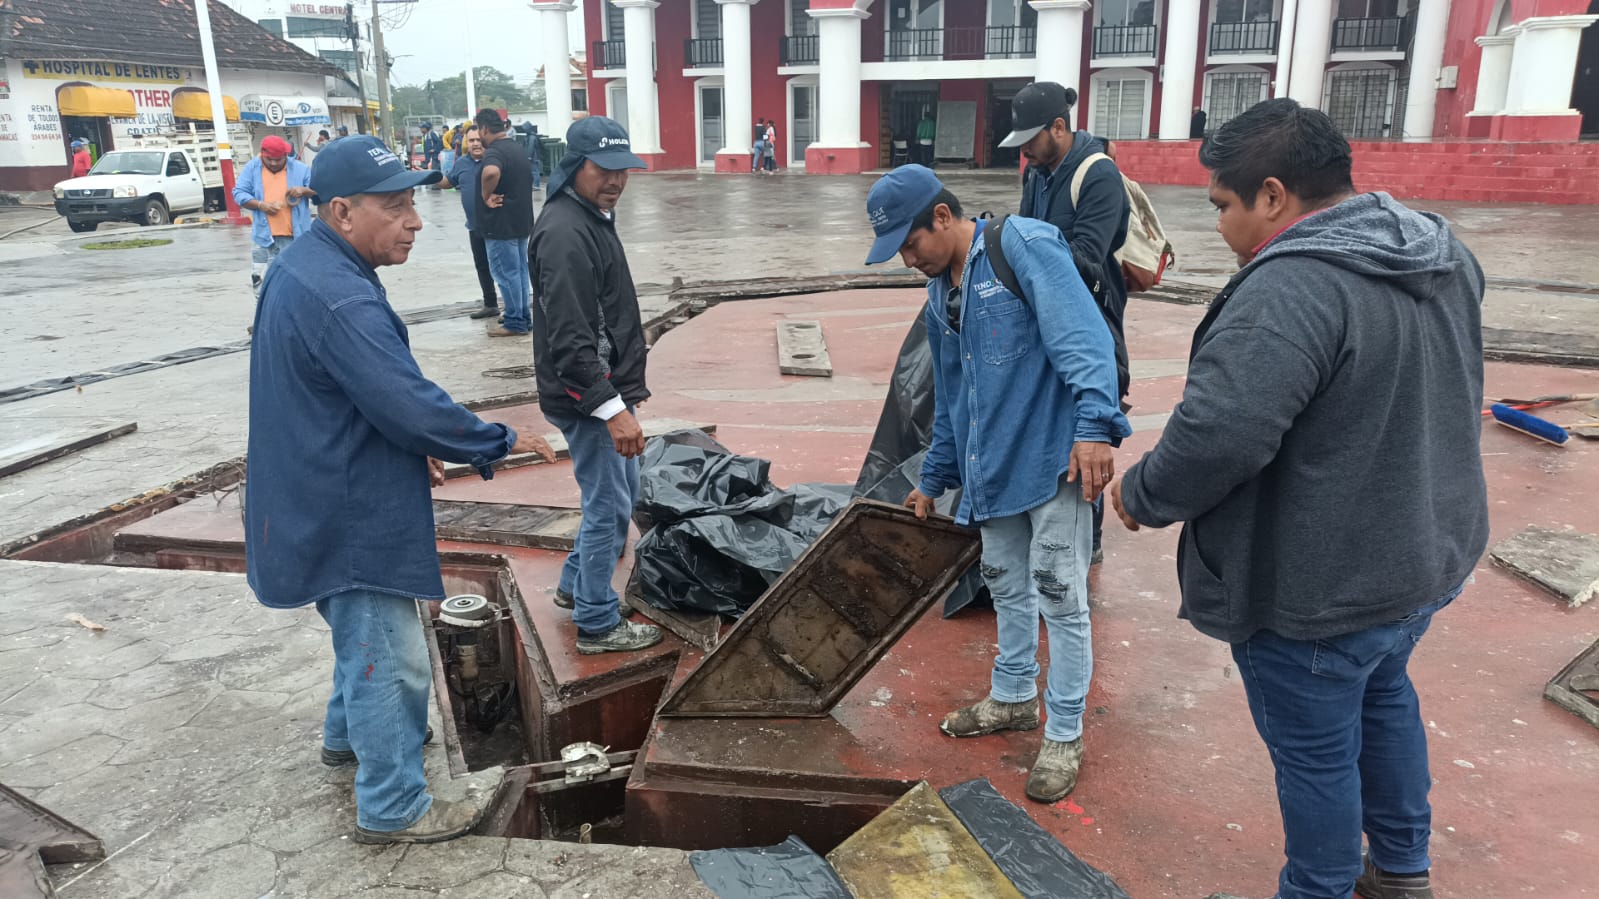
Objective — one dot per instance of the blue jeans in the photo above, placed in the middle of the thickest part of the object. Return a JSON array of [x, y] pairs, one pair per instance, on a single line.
[[261, 258], [508, 263], [1036, 563], [1344, 728], [609, 487], [379, 708]]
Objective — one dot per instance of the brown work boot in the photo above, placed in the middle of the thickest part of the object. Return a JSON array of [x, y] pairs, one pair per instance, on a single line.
[[1055, 773], [503, 331], [445, 820], [991, 716], [1375, 884]]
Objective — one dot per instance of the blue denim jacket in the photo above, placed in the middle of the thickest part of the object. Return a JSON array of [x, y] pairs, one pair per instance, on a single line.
[[248, 187], [342, 422], [1020, 381]]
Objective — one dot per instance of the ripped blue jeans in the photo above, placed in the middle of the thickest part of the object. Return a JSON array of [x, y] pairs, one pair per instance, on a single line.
[[1036, 563]]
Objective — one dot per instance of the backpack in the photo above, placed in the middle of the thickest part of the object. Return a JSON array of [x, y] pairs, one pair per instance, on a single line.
[[1146, 252]]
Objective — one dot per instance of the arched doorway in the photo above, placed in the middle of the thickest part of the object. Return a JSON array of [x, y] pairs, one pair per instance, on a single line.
[[1585, 86]]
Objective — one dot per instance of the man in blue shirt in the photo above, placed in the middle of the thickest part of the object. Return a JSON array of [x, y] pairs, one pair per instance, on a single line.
[[273, 187], [344, 431], [1025, 415], [432, 147], [464, 177]]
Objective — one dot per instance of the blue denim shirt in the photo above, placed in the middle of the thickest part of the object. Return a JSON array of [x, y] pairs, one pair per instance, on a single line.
[[248, 187], [342, 423], [1020, 381], [464, 175]]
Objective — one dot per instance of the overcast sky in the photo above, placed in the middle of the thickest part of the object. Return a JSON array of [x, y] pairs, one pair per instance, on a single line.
[[505, 34]]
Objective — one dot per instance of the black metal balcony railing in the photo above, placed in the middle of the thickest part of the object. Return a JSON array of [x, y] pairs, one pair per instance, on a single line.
[[610, 54], [997, 42], [1009, 41], [802, 50], [702, 52], [915, 43], [1369, 34], [1124, 40], [1243, 37]]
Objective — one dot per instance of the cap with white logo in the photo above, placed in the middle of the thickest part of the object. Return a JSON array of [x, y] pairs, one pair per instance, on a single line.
[[362, 165], [603, 142]]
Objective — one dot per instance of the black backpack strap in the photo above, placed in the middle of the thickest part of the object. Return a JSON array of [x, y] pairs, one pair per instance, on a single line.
[[994, 246]]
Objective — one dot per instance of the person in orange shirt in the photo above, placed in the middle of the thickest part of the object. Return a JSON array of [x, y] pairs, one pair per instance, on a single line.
[[81, 163], [272, 186]]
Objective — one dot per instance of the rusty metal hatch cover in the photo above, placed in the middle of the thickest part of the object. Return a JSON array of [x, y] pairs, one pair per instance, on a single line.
[[1577, 685], [506, 524], [830, 617]]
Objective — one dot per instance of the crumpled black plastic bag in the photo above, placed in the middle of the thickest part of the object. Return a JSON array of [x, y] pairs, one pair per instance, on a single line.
[[789, 870], [717, 532], [1036, 863]]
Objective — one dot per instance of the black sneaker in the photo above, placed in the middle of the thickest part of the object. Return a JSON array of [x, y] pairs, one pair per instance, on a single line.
[[625, 637], [1376, 884], [564, 599], [336, 758], [485, 312]]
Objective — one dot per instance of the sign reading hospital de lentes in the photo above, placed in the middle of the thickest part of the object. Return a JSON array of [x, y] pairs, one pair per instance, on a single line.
[[101, 70]]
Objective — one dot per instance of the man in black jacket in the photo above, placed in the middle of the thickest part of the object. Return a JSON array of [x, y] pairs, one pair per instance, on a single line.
[[1089, 207], [589, 352], [1325, 460]]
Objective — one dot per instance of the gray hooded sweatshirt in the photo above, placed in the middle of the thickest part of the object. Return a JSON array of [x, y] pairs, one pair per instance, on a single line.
[[1325, 453]]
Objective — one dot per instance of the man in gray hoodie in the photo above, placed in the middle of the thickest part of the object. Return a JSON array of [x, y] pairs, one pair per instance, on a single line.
[[1325, 462]]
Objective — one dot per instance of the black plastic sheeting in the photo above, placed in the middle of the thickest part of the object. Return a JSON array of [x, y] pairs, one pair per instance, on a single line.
[[789, 870], [717, 532], [1033, 860], [905, 429]]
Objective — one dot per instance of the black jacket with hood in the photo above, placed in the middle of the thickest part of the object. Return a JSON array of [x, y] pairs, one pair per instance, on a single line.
[[1325, 454], [588, 335]]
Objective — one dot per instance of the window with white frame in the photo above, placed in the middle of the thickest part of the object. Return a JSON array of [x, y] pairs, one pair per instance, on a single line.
[[799, 21], [1120, 105], [1125, 12], [1245, 10], [707, 19], [1228, 94], [1360, 100], [1368, 9]]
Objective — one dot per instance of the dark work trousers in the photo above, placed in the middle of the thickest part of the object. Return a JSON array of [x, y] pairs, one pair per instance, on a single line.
[[485, 278]]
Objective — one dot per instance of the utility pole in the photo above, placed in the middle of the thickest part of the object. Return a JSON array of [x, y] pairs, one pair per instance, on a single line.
[[219, 118], [364, 123], [380, 61], [471, 89]]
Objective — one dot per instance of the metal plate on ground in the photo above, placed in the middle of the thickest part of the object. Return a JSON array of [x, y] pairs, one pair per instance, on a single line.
[[695, 628], [918, 848], [830, 617], [25, 452], [1564, 562], [32, 836], [802, 349], [1576, 687], [506, 524]]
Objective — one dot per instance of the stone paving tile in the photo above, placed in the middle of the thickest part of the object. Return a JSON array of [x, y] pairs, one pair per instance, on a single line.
[[195, 756]]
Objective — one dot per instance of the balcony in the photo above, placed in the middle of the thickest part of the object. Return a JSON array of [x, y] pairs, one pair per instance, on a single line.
[[1243, 38], [1124, 40], [702, 52], [1381, 34], [801, 50], [610, 54], [997, 42]]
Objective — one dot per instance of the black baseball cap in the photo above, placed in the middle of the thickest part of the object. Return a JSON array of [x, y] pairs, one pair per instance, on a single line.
[[362, 165], [604, 142], [1034, 108]]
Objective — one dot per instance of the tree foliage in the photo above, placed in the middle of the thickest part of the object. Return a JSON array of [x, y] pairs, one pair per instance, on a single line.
[[447, 96]]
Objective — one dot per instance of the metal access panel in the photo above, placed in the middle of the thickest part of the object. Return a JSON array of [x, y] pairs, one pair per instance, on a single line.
[[506, 524], [1577, 685], [830, 617]]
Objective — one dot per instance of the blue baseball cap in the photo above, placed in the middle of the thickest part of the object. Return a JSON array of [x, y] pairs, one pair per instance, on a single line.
[[893, 204], [603, 142], [362, 165], [79, 142]]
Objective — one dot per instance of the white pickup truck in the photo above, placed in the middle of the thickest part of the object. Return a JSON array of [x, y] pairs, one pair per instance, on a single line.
[[145, 186]]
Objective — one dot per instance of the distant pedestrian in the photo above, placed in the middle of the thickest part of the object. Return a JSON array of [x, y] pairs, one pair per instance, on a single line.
[[81, 163], [344, 131], [1196, 125], [464, 178], [447, 155], [926, 134], [344, 434], [432, 146], [758, 147], [504, 215], [312, 146], [273, 188], [771, 146], [589, 354]]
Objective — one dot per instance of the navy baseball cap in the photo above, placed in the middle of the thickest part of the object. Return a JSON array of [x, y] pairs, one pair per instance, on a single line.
[[362, 165], [603, 142], [894, 203]]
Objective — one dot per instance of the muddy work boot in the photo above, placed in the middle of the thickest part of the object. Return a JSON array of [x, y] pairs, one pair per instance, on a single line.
[[625, 637], [445, 820], [1375, 884], [991, 716], [1055, 773], [564, 600]]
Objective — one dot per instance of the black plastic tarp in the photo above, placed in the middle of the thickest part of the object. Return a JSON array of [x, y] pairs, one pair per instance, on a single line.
[[789, 870], [1028, 855], [717, 532]]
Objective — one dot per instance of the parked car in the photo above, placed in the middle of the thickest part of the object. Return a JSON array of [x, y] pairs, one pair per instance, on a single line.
[[146, 186]]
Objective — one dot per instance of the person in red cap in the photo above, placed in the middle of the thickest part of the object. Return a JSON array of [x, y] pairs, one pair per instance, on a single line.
[[272, 187]]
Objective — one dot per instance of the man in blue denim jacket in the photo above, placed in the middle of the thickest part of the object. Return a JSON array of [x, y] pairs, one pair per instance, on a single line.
[[344, 429], [273, 188], [1025, 415]]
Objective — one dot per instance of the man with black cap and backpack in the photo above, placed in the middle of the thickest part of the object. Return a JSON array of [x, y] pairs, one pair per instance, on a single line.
[[1025, 416], [1071, 184]]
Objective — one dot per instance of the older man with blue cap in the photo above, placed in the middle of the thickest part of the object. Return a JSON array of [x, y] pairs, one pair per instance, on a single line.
[[588, 351], [1025, 415], [345, 432]]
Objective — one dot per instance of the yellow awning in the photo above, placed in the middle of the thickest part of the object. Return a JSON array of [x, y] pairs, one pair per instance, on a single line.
[[83, 100], [197, 105], [372, 105]]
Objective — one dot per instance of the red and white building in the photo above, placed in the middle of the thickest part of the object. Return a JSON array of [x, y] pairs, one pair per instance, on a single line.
[[848, 80]]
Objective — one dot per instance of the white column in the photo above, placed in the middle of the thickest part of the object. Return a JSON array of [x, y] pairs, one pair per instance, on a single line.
[[557, 65], [738, 97], [1543, 64], [1182, 57], [1493, 73], [1312, 44], [643, 125], [1059, 46], [839, 101], [1285, 47], [1426, 58]]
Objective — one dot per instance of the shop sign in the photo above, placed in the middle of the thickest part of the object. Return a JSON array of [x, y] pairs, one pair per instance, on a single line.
[[5, 89], [282, 111], [316, 10], [100, 70]]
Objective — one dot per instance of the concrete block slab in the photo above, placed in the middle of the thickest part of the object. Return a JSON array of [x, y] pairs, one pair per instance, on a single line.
[[1563, 562], [802, 349]]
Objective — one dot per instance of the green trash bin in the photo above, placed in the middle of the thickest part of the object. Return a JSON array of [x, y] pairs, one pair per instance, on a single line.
[[550, 152]]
